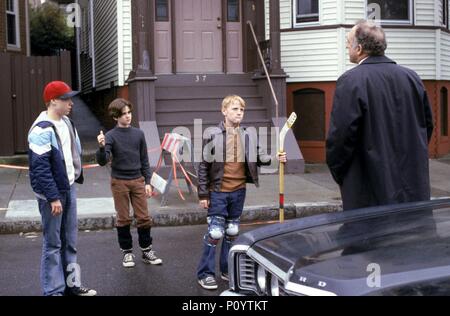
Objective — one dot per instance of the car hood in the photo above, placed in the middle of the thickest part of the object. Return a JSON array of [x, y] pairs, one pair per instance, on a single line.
[[353, 253]]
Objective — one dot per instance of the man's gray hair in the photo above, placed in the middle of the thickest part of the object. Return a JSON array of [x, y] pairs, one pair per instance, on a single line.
[[371, 37]]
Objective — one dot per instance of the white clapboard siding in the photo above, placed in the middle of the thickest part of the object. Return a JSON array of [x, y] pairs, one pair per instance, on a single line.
[[310, 55], [415, 49], [286, 14], [354, 10], [328, 12], [85, 49], [439, 12], [445, 56], [106, 43], [125, 41], [425, 12]]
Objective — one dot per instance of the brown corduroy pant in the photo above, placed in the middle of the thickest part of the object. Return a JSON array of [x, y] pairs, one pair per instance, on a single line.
[[126, 192]]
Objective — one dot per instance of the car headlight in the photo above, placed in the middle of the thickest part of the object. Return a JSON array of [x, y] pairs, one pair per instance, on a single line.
[[261, 275], [274, 286]]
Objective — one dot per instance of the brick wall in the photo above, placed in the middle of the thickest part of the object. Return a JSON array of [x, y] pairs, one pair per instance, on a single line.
[[314, 151]]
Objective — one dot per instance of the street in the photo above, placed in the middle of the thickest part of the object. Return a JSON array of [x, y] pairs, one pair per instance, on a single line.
[[101, 264]]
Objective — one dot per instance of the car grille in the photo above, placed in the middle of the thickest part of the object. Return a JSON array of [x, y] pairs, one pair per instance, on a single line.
[[247, 273], [247, 276]]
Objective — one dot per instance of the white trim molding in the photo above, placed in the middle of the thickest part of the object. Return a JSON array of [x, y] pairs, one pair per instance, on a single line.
[[16, 13]]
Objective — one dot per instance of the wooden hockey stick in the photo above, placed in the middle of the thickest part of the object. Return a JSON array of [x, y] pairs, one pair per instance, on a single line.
[[290, 122]]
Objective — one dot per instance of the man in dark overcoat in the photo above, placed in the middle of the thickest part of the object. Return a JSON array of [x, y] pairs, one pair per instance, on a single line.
[[380, 128]]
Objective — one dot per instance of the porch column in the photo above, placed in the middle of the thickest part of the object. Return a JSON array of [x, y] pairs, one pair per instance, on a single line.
[[275, 38], [141, 80]]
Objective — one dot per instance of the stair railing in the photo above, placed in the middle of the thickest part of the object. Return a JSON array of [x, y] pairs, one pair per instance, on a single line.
[[274, 96]]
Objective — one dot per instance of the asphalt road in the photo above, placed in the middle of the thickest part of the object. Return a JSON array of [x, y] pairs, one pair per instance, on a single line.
[[101, 264]]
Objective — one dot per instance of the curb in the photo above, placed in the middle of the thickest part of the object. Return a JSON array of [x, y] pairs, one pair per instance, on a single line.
[[181, 217]]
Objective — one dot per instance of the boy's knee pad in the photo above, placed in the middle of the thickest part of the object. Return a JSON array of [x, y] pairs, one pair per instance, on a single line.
[[216, 233], [232, 229], [216, 227]]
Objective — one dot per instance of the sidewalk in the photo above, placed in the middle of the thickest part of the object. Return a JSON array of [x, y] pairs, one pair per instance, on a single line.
[[312, 193], [305, 195]]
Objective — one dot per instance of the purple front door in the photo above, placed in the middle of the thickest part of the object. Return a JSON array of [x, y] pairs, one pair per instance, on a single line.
[[198, 36]]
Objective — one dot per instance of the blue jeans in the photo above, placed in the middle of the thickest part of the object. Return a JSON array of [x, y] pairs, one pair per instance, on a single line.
[[223, 222], [59, 251]]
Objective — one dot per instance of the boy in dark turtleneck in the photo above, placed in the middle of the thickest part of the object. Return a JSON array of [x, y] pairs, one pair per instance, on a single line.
[[126, 148]]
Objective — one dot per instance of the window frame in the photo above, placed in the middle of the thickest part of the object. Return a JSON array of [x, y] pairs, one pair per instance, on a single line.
[[239, 12], [163, 19], [410, 21], [305, 24], [16, 14]]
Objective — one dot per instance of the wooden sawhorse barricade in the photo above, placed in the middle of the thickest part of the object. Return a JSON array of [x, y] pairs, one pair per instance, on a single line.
[[175, 145]]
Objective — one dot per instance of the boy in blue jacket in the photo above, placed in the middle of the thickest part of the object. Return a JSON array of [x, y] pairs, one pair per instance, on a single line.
[[55, 166]]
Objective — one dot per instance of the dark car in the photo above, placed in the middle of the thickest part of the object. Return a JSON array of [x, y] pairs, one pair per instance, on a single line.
[[401, 249]]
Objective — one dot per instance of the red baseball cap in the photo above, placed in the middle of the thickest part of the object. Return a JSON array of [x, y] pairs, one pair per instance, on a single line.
[[58, 90]]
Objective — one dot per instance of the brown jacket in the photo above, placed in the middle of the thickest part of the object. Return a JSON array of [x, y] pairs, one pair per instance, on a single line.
[[211, 169]]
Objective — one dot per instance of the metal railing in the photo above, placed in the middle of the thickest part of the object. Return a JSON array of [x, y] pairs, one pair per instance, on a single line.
[[274, 96]]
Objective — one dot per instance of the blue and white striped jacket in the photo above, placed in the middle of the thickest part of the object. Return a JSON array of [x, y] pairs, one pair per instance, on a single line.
[[48, 174]]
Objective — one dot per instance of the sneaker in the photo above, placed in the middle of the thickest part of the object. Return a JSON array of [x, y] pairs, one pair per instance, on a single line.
[[208, 283], [224, 276], [82, 291], [128, 260], [150, 257]]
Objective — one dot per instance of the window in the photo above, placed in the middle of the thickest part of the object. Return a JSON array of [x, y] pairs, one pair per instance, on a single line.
[[306, 11], [444, 112], [390, 11], [162, 10], [233, 11], [12, 23]]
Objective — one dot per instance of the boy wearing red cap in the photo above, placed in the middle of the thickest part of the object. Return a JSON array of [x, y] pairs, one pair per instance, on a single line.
[[55, 166]]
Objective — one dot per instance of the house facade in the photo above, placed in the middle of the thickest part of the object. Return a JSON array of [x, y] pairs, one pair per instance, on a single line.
[[177, 59], [313, 54], [172, 40], [14, 27]]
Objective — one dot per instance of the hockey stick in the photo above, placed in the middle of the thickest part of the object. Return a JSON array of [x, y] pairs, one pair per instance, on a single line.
[[290, 122]]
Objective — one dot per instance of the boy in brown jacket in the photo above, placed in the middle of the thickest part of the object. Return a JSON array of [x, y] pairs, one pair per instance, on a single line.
[[222, 186]]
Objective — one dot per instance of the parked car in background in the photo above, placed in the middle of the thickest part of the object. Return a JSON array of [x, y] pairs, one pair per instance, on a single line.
[[401, 249]]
